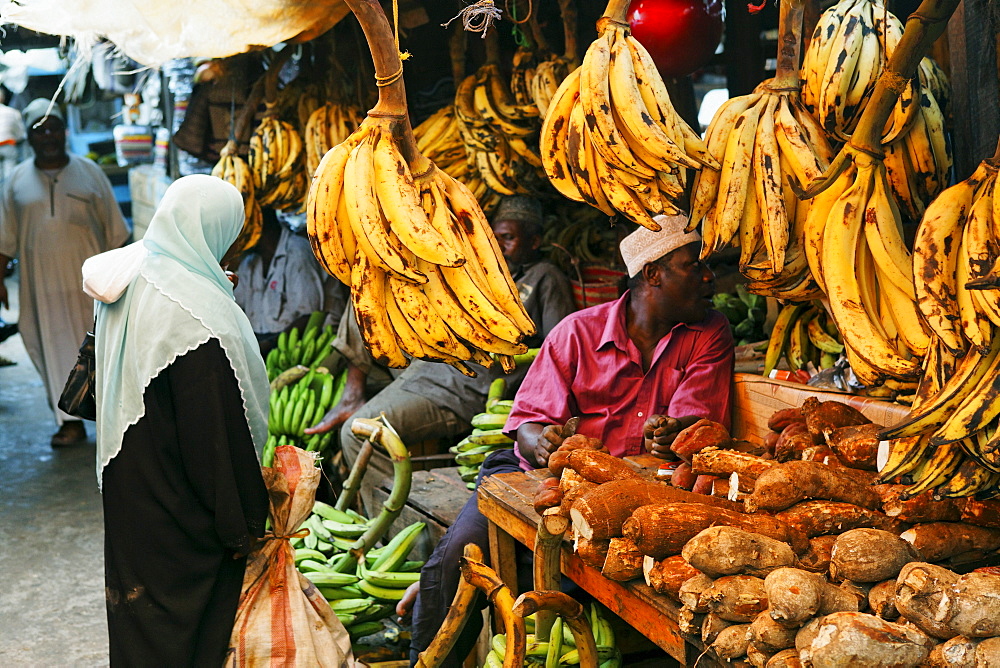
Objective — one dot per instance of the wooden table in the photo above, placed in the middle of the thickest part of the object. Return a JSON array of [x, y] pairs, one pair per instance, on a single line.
[[505, 500]]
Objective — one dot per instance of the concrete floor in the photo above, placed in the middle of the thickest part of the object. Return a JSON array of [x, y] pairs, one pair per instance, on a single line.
[[51, 529]]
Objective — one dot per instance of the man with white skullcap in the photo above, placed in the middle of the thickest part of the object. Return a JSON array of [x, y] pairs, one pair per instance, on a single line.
[[659, 355]]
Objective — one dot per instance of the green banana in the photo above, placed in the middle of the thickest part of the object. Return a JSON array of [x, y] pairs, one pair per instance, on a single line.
[[360, 630], [330, 578], [489, 421], [346, 619], [351, 606], [780, 334], [555, 644], [395, 551], [293, 338], [502, 407], [499, 644], [490, 437], [289, 377], [493, 660], [344, 529], [336, 593], [305, 553], [570, 658], [312, 565], [381, 593], [496, 391], [389, 579], [411, 566], [821, 339], [282, 342]]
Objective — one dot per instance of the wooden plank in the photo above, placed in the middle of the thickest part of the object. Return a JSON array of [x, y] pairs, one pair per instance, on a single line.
[[975, 99], [502, 557]]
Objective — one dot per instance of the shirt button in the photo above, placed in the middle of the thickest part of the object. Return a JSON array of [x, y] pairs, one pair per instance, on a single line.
[[640, 413]]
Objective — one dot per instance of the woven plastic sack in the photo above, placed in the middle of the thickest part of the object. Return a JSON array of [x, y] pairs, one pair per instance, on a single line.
[[282, 619]]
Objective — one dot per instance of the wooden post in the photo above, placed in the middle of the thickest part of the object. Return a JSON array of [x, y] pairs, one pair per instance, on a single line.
[[975, 103]]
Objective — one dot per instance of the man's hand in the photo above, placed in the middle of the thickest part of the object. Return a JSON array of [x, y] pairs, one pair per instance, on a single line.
[[658, 435], [538, 441], [548, 441]]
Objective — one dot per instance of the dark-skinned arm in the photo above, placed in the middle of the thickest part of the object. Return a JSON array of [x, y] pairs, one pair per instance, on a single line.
[[351, 400], [537, 441]]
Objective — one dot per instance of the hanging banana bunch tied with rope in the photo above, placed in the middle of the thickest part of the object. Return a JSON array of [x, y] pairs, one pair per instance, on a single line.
[[551, 71], [611, 137], [234, 169], [426, 274], [327, 126], [862, 260], [851, 45], [763, 140]]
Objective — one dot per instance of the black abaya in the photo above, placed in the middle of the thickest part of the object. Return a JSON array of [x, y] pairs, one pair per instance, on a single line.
[[181, 498]]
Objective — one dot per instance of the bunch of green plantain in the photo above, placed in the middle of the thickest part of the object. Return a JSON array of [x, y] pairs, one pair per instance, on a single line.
[[487, 434], [803, 333], [369, 594], [299, 398], [561, 650], [746, 313], [306, 348]]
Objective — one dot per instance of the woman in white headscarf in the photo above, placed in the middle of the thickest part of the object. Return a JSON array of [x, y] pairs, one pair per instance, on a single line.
[[182, 405]]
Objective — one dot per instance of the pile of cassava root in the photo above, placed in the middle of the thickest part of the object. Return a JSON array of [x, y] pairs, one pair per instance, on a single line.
[[794, 555]]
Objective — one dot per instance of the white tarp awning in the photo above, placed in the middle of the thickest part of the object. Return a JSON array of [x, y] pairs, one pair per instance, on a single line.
[[152, 32]]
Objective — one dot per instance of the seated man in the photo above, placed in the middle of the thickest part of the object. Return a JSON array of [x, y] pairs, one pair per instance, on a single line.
[[430, 400], [659, 350], [281, 284]]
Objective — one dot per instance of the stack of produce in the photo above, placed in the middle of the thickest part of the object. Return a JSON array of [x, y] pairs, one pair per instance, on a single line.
[[362, 598], [296, 404], [276, 163], [487, 434], [427, 276], [746, 313], [803, 335], [765, 141], [234, 169], [560, 649], [552, 70], [611, 137], [307, 348], [327, 126]]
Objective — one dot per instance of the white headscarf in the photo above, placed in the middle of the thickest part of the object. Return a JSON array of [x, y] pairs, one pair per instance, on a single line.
[[178, 299]]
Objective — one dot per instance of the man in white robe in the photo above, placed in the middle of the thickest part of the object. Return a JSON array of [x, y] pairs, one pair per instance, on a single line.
[[56, 210]]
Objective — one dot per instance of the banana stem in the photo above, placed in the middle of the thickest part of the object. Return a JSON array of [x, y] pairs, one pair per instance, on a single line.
[[456, 619], [789, 44], [487, 581], [392, 97], [548, 544], [537, 36], [558, 603], [922, 28], [273, 71], [616, 10], [401, 480], [353, 483], [492, 44], [567, 9], [456, 50], [241, 132]]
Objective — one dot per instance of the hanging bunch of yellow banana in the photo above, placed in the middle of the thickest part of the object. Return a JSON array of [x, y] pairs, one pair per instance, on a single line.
[[858, 252], [427, 277], [551, 71], [234, 169], [950, 441], [919, 160], [763, 141], [327, 126], [611, 136], [276, 162]]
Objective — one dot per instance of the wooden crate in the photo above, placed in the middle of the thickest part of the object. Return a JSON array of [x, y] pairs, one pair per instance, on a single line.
[[756, 398]]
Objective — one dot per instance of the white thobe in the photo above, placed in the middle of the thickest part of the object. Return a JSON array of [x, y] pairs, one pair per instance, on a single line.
[[52, 224]]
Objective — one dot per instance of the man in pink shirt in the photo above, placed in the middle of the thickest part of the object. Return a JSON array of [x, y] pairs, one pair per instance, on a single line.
[[647, 365]]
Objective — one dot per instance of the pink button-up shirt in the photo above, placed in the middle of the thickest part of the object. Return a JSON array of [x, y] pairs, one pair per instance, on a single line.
[[588, 367]]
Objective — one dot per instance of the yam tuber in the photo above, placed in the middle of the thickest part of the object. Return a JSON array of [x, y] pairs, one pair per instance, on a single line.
[[859, 640], [856, 445], [666, 576], [793, 595], [769, 636], [560, 458], [792, 447], [704, 484], [980, 513], [882, 598], [817, 557], [683, 477], [936, 541], [599, 467], [988, 653], [691, 591], [837, 599], [786, 658], [869, 555], [593, 552], [736, 598], [784, 417], [689, 622], [661, 530], [786, 484], [547, 495], [725, 550], [601, 512], [957, 652], [971, 605], [713, 461], [756, 655], [624, 560], [824, 417], [702, 434], [731, 643], [711, 626], [816, 518], [859, 590], [804, 638], [572, 494], [920, 508], [920, 588]]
